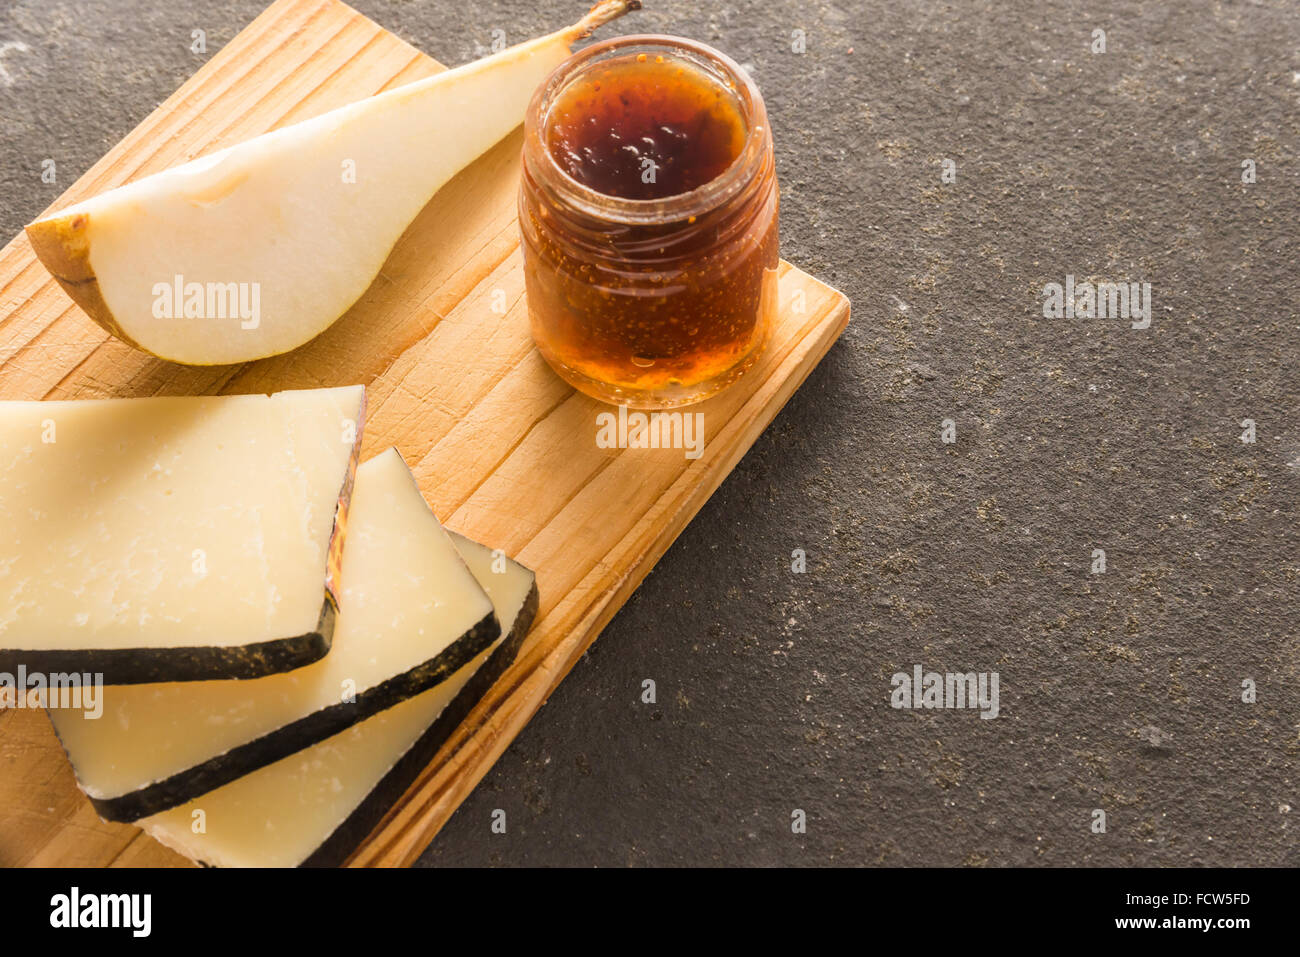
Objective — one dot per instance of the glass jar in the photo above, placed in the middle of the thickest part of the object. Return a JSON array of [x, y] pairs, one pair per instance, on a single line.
[[649, 302]]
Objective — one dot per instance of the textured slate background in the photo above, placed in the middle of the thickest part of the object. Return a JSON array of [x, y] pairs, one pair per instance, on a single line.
[[1119, 691]]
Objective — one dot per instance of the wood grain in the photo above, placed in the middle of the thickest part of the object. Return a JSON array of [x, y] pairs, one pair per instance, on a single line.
[[504, 451]]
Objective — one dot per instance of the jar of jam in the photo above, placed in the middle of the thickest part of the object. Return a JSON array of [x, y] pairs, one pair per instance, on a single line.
[[648, 208]]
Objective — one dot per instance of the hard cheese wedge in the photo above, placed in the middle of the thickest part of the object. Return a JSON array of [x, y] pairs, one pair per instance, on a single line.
[[173, 539], [316, 807], [410, 615]]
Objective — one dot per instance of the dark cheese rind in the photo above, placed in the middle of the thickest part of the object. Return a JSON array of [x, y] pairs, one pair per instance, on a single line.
[[349, 835], [292, 738], [134, 666]]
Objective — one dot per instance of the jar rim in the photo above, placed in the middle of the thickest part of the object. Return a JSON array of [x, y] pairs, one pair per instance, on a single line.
[[695, 202]]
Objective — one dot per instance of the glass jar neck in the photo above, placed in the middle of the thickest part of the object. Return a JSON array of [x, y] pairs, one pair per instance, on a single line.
[[588, 209]]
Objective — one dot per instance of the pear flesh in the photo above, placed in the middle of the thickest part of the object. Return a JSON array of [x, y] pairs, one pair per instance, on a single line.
[[254, 250]]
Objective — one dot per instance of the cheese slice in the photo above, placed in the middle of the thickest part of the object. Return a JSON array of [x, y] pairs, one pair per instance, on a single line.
[[316, 807], [173, 539], [410, 615]]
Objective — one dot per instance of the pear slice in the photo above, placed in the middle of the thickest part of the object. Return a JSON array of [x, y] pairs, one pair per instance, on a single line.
[[255, 249]]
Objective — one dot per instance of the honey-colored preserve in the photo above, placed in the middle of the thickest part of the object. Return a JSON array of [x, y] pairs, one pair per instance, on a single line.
[[645, 129], [649, 214]]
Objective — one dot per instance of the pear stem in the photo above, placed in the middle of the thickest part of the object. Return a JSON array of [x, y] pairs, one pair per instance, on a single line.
[[601, 14]]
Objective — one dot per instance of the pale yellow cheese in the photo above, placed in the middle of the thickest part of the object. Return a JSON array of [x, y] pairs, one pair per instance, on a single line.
[[278, 816], [169, 522], [407, 597]]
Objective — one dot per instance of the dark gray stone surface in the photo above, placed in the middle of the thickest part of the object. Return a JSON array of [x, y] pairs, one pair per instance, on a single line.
[[1119, 691]]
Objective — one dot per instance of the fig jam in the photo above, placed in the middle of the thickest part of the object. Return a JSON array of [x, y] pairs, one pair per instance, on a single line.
[[648, 207], [637, 129]]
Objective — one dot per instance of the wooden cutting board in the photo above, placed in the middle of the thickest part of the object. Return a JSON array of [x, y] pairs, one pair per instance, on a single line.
[[504, 451]]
